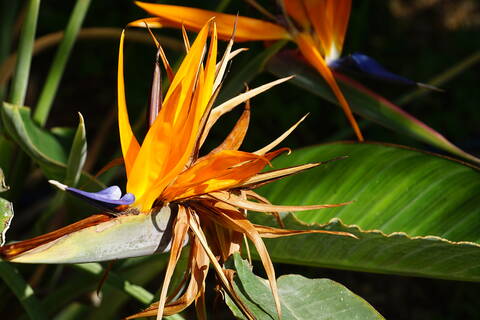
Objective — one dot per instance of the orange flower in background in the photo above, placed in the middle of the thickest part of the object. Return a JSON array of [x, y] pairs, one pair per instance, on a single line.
[[317, 26], [200, 200]]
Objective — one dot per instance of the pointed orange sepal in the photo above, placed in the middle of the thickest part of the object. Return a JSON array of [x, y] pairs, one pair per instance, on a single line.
[[307, 47], [248, 29], [130, 146]]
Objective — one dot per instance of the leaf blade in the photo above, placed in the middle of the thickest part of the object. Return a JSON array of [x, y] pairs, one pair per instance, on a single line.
[[301, 298], [403, 199]]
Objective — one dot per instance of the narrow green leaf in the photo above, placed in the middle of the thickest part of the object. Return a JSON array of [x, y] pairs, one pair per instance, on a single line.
[[78, 154], [25, 50], [22, 291], [48, 149], [364, 102], [301, 298], [414, 213], [59, 62]]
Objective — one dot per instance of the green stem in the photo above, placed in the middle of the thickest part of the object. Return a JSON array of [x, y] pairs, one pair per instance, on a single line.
[[22, 290], [25, 49], [59, 62]]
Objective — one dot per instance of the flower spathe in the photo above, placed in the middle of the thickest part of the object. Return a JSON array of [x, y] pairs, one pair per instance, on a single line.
[[205, 197]]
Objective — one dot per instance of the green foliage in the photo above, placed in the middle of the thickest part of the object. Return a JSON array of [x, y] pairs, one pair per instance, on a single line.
[[49, 149], [411, 210], [301, 298]]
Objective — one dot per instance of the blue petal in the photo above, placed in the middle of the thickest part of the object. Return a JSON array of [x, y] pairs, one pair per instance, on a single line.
[[107, 199], [358, 62], [113, 192]]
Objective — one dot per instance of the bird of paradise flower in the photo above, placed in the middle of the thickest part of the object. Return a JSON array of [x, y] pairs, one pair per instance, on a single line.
[[317, 26], [174, 195]]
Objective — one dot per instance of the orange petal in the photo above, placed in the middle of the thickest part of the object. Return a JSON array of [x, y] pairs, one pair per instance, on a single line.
[[330, 21], [235, 138], [310, 52], [248, 29], [210, 71], [297, 10], [339, 10], [130, 146], [322, 23], [218, 171], [170, 141]]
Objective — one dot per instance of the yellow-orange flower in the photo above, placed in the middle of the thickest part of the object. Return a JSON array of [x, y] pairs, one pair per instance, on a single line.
[[317, 26], [205, 197]]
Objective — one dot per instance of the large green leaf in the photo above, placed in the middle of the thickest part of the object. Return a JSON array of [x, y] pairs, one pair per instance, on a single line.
[[414, 213], [301, 298], [50, 149], [364, 102], [40, 144]]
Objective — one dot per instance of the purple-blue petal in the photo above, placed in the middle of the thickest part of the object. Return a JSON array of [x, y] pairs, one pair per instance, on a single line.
[[113, 192], [107, 199], [365, 65]]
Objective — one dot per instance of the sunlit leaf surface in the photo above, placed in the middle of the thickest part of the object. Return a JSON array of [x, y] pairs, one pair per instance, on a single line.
[[415, 213], [301, 298]]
